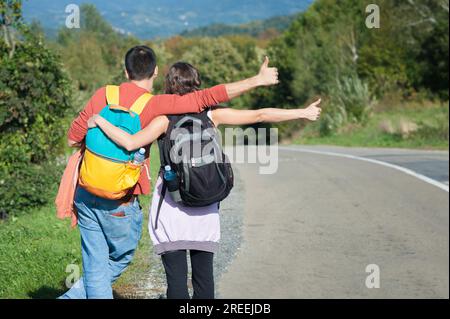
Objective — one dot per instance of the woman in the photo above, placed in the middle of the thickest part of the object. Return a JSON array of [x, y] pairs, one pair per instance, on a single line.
[[181, 228]]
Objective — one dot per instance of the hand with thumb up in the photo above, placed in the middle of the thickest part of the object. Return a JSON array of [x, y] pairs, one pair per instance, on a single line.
[[313, 111], [267, 76]]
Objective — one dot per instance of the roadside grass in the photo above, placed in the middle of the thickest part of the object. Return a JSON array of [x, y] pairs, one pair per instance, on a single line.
[[406, 126], [36, 248]]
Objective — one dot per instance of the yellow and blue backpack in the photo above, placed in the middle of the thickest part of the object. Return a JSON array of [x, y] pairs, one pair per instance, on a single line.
[[107, 170]]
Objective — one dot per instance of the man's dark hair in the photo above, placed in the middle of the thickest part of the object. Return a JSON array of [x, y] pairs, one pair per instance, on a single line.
[[140, 63]]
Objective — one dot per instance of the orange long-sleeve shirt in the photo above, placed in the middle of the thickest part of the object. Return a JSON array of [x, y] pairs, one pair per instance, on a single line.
[[158, 105]]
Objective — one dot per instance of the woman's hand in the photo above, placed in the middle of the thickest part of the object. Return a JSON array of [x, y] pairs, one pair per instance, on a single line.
[[92, 122], [312, 112]]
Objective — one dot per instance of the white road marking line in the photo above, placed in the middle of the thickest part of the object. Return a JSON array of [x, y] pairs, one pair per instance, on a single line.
[[399, 168]]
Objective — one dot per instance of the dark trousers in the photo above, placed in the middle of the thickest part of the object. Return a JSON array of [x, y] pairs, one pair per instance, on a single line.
[[175, 265]]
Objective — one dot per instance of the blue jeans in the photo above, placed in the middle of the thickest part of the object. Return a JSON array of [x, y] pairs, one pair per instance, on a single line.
[[110, 232]]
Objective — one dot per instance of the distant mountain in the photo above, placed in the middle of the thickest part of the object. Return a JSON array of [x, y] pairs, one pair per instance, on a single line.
[[253, 28], [148, 19]]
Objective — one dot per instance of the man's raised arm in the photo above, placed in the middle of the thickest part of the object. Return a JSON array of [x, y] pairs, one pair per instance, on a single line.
[[199, 100]]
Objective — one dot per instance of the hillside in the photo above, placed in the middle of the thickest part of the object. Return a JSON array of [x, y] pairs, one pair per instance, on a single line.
[[254, 28], [163, 18]]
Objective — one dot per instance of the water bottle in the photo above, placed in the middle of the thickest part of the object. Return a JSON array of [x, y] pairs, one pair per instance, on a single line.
[[171, 179], [139, 157]]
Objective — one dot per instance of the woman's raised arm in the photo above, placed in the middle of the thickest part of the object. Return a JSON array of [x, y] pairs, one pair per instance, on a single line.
[[270, 115], [131, 142]]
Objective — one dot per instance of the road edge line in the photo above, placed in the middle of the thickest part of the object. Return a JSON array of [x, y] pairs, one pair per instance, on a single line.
[[373, 161]]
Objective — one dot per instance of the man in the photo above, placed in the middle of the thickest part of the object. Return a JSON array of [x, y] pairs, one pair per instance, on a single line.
[[110, 229]]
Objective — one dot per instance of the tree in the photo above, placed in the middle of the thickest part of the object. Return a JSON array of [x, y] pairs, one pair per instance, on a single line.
[[424, 24], [10, 18], [35, 97], [411, 48], [218, 62], [93, 54], [383, 62], [434, 52], [85, 62]]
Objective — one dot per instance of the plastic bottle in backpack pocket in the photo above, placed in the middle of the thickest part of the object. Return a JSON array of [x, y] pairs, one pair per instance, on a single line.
[[132, 170], [171, 180], [139, 157]]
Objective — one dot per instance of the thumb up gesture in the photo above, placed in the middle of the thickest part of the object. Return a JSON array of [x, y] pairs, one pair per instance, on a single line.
[[267, 75], [312, 112]]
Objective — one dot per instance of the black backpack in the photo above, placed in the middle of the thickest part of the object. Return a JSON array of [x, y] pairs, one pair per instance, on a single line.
[[192, 148]]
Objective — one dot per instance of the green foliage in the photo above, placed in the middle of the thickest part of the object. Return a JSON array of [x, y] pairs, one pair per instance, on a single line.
[[35, 97], [26, 186], [332, 120], [93, 55], [220, 62], [382, 64], [404, 125], [34, 100], [10, 21], [255, 28], [353, 95], [217, 60], [349, 102], [420, 27], [84, 60], [433, 65], [316, 50], [330, 43], [10, 13]]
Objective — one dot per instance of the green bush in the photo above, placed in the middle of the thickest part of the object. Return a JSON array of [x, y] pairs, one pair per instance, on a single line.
[[350, 102], [332, 120], [35, 97], [352, 96], [25, 186], [220, 62]]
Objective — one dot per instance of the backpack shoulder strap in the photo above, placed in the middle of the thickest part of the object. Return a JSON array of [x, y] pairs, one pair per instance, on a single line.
[[206, 120], [112, 94], [162, 156], [140, 103], [161, 199], [112, 97], [164, 142]]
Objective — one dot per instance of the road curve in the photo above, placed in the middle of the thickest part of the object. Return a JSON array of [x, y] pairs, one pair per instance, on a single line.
[[311, 229]]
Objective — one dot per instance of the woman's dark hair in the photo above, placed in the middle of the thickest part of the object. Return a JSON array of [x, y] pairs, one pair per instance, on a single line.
[[182, 78], [140, 63]]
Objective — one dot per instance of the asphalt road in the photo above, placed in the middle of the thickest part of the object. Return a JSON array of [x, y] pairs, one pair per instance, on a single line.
[[310, 230]]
